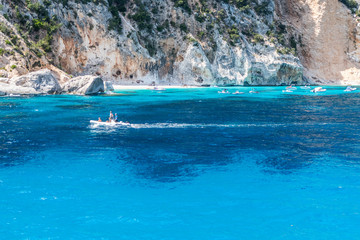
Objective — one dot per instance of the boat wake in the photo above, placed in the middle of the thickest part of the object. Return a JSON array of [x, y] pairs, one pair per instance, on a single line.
[[195, 125], [181, 125], [192, 125]]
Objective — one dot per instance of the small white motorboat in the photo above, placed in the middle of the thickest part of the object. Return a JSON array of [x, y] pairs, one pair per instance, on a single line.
[[224, 91], [112, 123], [287, 90], [305, 87], [349, 89], [318, 89], [253, 91], [291, 88], [237, 92]]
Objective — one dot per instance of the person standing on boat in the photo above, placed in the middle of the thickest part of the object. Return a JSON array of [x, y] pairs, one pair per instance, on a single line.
[[111, 117], [116, 117]]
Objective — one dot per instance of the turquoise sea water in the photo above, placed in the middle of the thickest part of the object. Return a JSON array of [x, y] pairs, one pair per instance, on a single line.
[[194, 164]]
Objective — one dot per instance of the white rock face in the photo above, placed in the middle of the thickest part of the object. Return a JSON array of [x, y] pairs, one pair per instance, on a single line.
[[84, 85], [39, 82], [230, 64], [4, 80], [7, 89], [193, 67], [237, 66], [89, 48]]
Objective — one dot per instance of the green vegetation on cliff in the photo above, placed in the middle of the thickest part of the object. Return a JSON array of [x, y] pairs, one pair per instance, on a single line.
[[351, 4], [166, 28], [36, 30], [116, 6], [142, 17]]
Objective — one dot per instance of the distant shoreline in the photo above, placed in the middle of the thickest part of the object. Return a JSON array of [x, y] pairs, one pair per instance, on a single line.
[[140, 87], [147, 87]]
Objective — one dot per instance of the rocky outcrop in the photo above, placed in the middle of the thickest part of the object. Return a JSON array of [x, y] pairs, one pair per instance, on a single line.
[[42, 81], [39, 82], [84, 85], [8, 89]]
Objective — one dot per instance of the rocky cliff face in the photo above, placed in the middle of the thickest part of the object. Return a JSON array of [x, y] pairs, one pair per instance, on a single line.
[[194, 42], [329, 39]]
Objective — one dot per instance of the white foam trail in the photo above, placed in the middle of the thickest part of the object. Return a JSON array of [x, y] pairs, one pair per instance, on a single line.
[[190, 125], [200, 125], [211, 125]]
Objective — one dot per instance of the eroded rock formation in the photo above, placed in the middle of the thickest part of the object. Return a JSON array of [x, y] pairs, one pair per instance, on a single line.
[[39, 82], [84, 85]]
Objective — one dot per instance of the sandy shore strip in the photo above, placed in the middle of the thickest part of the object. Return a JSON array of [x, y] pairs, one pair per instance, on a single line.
[[139, 87]]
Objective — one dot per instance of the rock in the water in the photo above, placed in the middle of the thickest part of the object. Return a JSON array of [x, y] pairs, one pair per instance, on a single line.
[[84, 85], [42, 82], [109, 86]]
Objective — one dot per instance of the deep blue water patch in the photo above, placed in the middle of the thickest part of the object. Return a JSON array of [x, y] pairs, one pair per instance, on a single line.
[[193, 164]]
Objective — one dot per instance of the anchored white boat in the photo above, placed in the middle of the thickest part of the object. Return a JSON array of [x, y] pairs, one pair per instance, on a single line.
[[253, 91], [305, 87], [291, 88], [318, 89], [224, 91], [287, 90], [349, 89], [237, 92]]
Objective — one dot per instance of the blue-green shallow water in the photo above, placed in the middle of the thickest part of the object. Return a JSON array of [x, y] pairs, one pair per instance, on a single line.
[[194, 164]]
